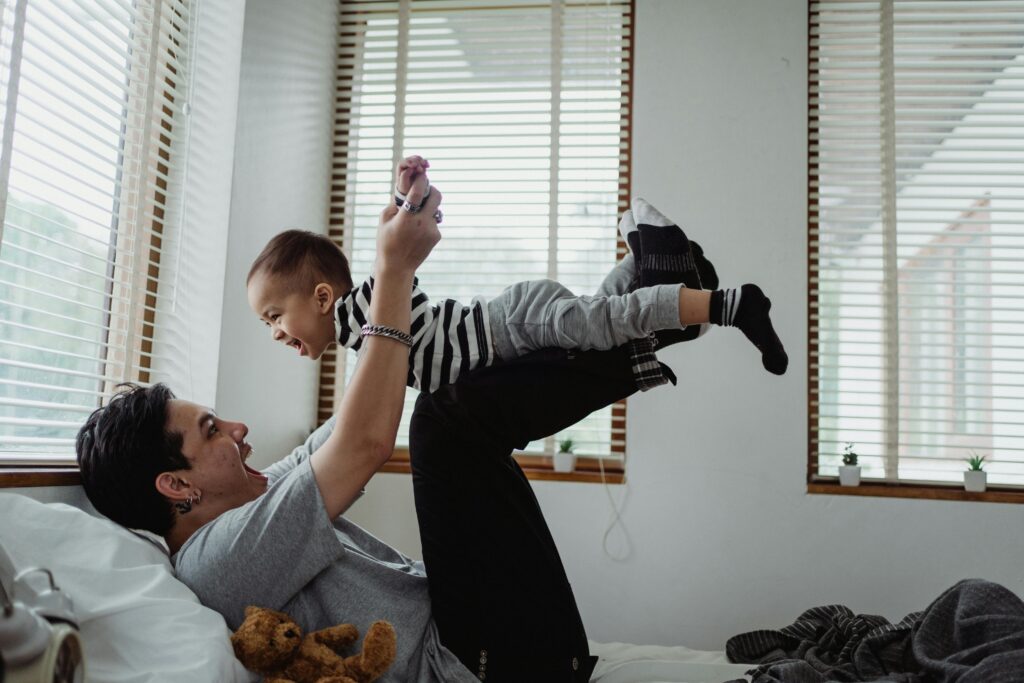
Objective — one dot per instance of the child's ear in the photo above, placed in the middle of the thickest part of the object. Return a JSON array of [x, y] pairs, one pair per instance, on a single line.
[[324, 295]]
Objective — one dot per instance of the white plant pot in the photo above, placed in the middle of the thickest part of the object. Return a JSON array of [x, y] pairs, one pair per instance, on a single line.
[[974, 480], [849, 475], [565, 462]]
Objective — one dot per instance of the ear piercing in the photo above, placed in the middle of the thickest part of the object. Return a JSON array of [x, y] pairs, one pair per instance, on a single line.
[[185, 506]]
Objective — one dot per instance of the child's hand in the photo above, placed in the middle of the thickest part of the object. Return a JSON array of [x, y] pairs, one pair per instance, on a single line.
[[412, 172]]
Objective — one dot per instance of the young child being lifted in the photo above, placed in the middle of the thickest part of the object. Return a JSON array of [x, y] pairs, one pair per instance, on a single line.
[[301, 287]]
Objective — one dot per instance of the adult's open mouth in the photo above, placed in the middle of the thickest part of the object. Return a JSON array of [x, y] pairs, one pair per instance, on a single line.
[[244, 454], [254, 473]]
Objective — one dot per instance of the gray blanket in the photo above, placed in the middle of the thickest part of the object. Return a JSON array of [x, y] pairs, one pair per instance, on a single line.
[[972, 633]]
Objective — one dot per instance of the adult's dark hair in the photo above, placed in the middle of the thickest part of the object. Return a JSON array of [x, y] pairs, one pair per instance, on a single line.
[[304, 259], [122, 448]]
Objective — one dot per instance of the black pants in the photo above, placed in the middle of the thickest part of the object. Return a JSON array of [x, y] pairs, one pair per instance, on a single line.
[[499, 592]]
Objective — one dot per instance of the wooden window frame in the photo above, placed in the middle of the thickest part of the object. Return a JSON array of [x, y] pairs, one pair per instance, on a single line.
[[17, 476], [535, 466], [824, 485]]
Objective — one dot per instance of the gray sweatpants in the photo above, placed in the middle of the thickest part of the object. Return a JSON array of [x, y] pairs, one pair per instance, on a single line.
[[542, 313]]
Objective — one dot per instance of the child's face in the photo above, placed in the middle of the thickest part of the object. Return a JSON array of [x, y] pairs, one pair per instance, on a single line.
[[299, 319]]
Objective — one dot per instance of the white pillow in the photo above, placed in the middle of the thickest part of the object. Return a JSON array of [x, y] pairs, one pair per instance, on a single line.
[[138, 622]]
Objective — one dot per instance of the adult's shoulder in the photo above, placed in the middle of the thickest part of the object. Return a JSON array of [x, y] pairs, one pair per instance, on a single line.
[[263, 552]]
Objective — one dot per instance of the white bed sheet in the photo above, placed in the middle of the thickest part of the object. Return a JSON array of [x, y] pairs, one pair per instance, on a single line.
[[127, 598], [625, 663]]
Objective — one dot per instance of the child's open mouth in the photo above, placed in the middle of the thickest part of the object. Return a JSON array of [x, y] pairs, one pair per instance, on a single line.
[[296, 344]]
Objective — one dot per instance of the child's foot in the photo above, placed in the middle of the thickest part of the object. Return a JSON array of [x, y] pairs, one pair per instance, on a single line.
[[747, 308]]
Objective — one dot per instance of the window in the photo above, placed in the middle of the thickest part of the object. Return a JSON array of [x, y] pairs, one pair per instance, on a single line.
[[90, 179], [916, 236], [522, 109]]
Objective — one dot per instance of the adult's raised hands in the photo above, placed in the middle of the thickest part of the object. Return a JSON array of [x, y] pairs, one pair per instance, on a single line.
[[404, 238]]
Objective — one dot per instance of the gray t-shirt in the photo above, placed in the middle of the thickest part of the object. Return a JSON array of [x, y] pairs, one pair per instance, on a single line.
[[281, 551]]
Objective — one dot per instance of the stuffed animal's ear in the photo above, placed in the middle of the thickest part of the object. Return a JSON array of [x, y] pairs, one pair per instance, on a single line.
[[250, 610]]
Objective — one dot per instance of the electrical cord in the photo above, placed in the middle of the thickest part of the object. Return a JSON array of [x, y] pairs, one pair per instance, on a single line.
[[616, 518]]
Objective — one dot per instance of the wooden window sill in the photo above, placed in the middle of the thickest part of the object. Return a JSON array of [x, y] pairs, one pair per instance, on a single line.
[[536, 467], [920, 491], [18, 477]]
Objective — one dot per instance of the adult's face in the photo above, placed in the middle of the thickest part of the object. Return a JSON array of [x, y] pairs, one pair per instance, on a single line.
[[216, 449]]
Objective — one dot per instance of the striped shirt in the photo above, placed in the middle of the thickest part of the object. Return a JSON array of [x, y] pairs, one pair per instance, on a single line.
[[448, 338]]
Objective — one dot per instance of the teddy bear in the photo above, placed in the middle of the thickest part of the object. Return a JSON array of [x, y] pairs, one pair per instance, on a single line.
[[272, 644]]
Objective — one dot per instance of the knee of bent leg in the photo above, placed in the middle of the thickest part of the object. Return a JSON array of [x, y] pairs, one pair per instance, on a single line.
[[527, 301], [579, 327]]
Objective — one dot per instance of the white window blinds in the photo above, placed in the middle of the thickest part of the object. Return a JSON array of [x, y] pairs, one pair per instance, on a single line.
[[522, 109], [917, 237], [93, 147]]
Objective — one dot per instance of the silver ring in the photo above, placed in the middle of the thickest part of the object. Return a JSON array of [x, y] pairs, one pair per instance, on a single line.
[[400, 198], [438, 216]]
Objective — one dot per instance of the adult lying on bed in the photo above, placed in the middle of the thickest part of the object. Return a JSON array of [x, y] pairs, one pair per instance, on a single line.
[[496, 603]]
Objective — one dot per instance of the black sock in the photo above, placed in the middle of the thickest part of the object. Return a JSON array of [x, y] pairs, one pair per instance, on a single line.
[[706, 270], [747, 308], [665, 257]]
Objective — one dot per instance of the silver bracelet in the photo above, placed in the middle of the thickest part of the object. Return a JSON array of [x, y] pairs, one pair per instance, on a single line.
[[383, 331]]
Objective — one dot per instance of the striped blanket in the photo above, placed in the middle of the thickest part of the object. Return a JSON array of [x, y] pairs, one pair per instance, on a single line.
[[972, 633]]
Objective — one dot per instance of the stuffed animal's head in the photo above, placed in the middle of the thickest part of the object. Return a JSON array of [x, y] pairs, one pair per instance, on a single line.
[[266, 639]]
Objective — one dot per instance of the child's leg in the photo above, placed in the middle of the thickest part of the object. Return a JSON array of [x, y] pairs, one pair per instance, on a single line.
[[542, 313], [620, 279]]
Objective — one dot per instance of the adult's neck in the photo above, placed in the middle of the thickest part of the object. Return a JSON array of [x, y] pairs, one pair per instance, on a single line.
[[184, 526]]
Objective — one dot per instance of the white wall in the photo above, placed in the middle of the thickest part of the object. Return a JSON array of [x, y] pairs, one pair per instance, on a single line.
[[190, 323], [723, 536], [281, 179]]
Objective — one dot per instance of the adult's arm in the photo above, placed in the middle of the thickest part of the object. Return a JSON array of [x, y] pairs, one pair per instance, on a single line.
[[367, 420]]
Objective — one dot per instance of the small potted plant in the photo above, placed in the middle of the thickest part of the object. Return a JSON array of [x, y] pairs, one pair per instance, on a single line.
[[975, 476], [849, 471], [565, 459]]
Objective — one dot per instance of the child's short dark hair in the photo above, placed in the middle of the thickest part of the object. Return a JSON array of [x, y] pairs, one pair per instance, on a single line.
[[304, 258], [122, 448]]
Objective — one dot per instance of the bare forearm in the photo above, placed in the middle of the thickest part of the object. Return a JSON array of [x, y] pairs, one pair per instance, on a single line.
[[364, 434], [373, 401]]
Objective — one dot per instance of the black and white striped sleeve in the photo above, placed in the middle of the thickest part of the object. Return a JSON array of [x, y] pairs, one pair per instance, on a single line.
[[351, 314]]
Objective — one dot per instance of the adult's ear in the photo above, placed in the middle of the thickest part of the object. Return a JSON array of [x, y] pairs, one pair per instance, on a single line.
[[171, 486], [324, 295]]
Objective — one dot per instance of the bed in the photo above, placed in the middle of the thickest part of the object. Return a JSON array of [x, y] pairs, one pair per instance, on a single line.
[[626, 663], [139, 623]]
